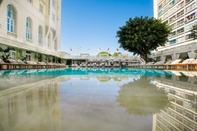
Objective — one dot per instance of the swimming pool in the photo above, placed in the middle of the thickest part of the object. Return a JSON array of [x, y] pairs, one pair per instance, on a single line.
[[103, 99]]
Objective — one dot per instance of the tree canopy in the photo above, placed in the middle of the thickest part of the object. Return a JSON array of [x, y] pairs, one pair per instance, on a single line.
[[103, 54], [116, 53], [142, 35]]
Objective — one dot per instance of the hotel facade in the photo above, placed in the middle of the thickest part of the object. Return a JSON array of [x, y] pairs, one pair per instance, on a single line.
[[30, 30], [181, 16]]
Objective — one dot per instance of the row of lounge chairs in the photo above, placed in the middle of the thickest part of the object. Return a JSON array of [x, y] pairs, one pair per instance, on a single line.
[[96, 65], [188, 64], [19, 64]]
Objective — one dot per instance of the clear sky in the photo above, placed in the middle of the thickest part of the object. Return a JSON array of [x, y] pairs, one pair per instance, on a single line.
[[92, 24]]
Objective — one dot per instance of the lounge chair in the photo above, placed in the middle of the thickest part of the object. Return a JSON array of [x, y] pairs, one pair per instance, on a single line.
[[193, 64], [134, 65], [109, 65], [73, 65], [84, 64], [2, 64], [185, 63], [159, 64], [149, 64], [20, 62], [31, 64], [172, 64], [13, 64]]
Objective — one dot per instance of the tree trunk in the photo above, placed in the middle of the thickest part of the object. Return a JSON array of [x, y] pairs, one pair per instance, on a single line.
[[145, 57]]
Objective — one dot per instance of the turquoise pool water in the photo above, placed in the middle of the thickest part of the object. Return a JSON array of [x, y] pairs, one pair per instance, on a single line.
[[88, 71], [80, 99]]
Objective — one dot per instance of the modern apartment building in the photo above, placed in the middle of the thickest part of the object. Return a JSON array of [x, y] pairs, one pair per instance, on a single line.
[[30, 29], [181, 16]]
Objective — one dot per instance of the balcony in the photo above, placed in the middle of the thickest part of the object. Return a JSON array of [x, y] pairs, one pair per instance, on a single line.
[[180, 14], [188, 1], [190, 17], [189, 37], [172, 19], [190, 8]]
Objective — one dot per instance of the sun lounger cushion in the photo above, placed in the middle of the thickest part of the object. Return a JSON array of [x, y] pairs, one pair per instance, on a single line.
[[188, 61], [175, 61]]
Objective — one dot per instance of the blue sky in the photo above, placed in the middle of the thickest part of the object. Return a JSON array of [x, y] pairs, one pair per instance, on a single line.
[[93, 23]]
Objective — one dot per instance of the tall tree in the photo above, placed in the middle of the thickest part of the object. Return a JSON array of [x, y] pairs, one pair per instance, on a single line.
[[142, 35]]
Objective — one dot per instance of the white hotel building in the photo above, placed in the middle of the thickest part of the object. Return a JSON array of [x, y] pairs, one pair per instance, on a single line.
[[181, 16], [32, 26]]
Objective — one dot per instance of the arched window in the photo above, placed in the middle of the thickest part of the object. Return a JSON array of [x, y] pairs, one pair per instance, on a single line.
[[40, 34], [28, 28], [11, 19], [55, 45]]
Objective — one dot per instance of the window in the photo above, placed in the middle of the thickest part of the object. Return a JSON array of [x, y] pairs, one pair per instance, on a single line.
[[172, 34], [173, 18], [55, 45], [173, 41], [180, 22], [179, 31], [190, 17], [189, 26], [53, 2], [53, 17], [180, 14], [30, 1], [41, 8], [49, 41], [28, 28], [40, 34], [11, 19], [49, 3]]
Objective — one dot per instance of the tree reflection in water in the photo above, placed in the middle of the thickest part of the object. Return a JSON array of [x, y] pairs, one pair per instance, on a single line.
[[141, 97]]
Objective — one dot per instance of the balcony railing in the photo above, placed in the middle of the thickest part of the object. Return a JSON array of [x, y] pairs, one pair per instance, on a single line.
[[188, 1], [190, 8]]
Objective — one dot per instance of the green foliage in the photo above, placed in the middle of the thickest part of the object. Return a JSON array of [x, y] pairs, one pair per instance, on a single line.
[[37, 56], [19, 54], [116, 54], [103, 54], [141, 35]]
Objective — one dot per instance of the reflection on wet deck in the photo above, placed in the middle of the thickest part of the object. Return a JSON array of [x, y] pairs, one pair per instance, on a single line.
[[182, 94], [35, 106], [99, 102]]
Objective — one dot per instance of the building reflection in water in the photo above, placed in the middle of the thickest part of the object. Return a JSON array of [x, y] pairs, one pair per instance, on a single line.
[[32, 107], [170, 99], [182, 94]]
